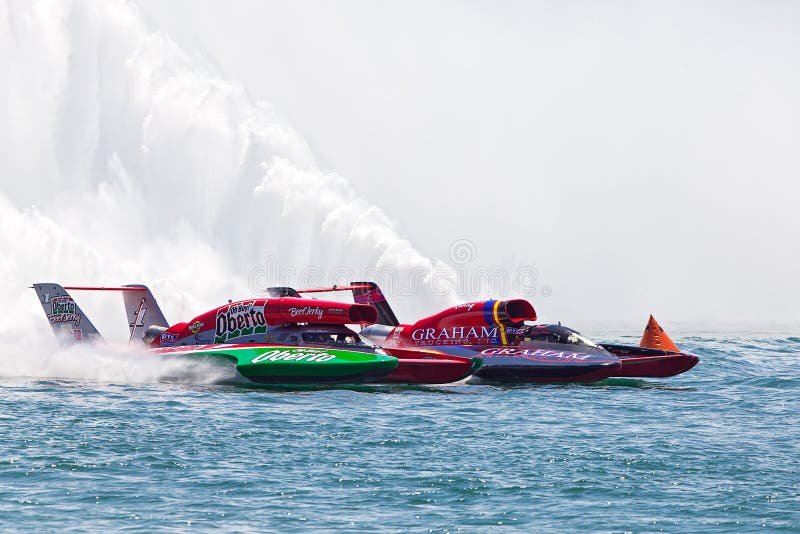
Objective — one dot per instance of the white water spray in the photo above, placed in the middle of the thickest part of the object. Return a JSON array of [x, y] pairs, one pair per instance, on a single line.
[[127, 159], [111, 364]]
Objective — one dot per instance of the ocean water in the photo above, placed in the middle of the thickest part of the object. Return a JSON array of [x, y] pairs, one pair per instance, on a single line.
[[716, 449]]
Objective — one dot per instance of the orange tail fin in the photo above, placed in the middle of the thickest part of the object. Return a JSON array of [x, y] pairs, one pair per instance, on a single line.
[[654, 337]]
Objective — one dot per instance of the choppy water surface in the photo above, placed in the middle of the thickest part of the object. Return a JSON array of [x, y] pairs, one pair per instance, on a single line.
[[715, 449]]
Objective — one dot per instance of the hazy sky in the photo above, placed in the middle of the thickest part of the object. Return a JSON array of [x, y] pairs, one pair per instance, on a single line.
[[642, 155]]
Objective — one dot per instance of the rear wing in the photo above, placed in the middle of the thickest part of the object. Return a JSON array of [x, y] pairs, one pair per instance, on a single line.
[[370, 293], [142, 310], [363, 293], [70, 324]]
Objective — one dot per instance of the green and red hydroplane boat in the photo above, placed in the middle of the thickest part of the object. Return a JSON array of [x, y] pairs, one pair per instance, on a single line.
[[275, 340]]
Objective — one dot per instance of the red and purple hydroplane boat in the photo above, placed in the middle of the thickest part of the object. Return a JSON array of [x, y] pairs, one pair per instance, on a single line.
[[513, 349]]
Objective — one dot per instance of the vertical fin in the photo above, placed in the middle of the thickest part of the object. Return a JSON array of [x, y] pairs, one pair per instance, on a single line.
[[373, 296], [67, 320], [142, 311]]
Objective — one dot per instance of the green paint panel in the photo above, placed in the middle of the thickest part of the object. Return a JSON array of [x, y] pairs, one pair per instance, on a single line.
[[262, 363]]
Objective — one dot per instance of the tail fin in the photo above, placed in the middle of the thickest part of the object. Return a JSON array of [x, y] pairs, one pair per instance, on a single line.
[[67, 320], [142, 310], [370, 293]]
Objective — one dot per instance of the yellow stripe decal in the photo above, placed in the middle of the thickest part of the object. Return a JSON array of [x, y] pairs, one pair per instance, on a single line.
[[499, 324]]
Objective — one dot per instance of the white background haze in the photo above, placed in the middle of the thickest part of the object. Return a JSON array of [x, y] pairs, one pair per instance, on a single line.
[[642, 156]]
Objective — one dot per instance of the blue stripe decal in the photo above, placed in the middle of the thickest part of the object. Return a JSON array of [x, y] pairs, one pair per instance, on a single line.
[[488, 312]]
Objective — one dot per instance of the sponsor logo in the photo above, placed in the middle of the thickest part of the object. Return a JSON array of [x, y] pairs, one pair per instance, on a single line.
[[397, 332], [537, 354], [309, 311], [196, 326], [168, 339], [63, 310], [465, 307], [297, 355], [455, 335], [240, 319]]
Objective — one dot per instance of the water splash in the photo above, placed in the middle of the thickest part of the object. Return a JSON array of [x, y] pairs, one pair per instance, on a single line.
[[109, 364], [128, 159]]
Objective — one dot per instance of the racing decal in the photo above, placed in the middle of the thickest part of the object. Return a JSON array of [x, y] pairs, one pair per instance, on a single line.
[[168, 339], [297, 355], [537, 354], [63, 310], [308, 312], [196, 326], [455, 335], [488, 311], [138, 316], [495, 310], [369, 297], [239, 319]]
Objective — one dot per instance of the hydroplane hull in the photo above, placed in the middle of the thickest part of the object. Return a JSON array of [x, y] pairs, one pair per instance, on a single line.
[[274, 364], [650, 363]]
